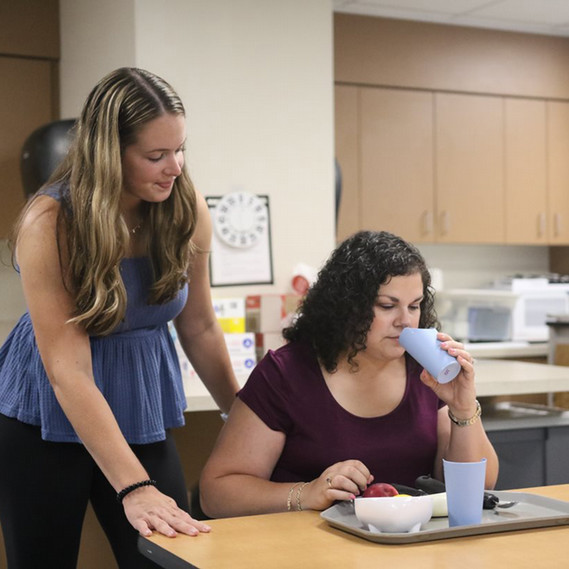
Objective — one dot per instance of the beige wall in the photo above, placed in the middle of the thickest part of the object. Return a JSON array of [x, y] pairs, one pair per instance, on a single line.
[[256, 79], [96, 37]]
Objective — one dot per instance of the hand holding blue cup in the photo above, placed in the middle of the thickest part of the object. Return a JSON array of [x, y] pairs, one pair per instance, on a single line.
[[422, 344]]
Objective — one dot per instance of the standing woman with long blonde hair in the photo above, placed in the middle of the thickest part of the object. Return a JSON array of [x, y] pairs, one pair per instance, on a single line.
[[110, 250]]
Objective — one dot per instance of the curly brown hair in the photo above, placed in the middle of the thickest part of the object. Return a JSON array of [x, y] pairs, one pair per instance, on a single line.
[[337, 313]]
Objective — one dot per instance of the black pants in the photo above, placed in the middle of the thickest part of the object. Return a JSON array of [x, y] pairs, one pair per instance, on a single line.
[[45, 488]]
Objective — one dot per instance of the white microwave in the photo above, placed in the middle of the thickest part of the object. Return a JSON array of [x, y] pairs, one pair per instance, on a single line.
[[536, 299], [516, 313], [530, 312], [476, 315]]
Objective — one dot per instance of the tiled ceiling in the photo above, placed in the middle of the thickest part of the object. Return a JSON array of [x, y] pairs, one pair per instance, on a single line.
[[550, 17]]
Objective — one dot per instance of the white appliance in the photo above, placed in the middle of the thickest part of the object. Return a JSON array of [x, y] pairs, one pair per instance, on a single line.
[[537, 298], [515, 310], [476, 315]]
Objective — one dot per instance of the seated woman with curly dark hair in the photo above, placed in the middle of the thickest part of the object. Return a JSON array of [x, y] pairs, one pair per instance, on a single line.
[[342, 404]]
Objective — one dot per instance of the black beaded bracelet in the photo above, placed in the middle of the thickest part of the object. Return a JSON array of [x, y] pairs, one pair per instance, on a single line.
[[135, 486]]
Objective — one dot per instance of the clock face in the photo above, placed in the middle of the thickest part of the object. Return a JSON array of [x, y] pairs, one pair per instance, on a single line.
[[240, 219]]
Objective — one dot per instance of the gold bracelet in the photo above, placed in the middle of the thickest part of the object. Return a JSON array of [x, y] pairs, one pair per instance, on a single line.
[[299, 494], [466, 422], [289, 499]]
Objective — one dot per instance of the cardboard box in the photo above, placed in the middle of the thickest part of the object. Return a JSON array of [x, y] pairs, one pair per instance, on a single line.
[[230, 313], [241, 348], [265, 341], [240, 345], [270, 312]]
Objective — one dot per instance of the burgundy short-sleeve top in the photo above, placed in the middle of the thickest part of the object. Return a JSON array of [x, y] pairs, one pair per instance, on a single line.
[[287, 391]]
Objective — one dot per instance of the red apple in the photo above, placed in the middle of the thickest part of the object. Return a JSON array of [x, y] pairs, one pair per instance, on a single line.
[[380, 490]]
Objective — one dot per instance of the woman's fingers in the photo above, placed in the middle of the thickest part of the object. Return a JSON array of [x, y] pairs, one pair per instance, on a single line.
[[349, 476], [142, 528], [160, 513], [170, 525], [457, 350], [339, 482]]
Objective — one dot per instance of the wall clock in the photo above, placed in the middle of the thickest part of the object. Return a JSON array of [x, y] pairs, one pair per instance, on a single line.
[[240, 219]]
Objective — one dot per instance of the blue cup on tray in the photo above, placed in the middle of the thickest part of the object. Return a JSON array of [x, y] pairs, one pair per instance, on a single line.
[[464, 483]]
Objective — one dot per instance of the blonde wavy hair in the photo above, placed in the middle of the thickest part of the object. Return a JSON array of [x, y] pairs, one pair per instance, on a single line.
[[91, 230]]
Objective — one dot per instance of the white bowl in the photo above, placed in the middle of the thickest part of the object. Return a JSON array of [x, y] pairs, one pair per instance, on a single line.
[[394, 514]]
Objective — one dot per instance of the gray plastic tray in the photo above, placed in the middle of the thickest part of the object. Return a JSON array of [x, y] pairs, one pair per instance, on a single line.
[[531, 511]]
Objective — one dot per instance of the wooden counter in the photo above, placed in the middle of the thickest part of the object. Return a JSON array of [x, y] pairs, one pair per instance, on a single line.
[[295, 540]]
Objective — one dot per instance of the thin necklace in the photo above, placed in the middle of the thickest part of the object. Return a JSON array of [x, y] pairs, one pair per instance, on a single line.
[[136, 228]]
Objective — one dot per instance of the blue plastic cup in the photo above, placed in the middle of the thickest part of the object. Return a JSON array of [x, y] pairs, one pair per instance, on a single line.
[[422, 344], [464, 484]]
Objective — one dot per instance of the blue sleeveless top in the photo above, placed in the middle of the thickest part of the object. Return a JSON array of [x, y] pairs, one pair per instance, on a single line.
[[136, 368]]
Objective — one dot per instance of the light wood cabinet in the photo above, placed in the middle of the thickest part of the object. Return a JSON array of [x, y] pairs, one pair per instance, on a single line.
[[430, 165], [526, 215], [406, 55], [537, 172], [469, 152], [558, 171], [397, 176], [453, 168]]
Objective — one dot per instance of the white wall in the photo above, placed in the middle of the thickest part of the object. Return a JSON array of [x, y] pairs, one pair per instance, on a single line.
[[473, 266], [256, 78], [96, 37], [12, 304]]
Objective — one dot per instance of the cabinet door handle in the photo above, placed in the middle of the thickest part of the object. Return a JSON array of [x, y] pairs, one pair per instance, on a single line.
[[444, 222], [557, 225], [428, 222], [541, 225]]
